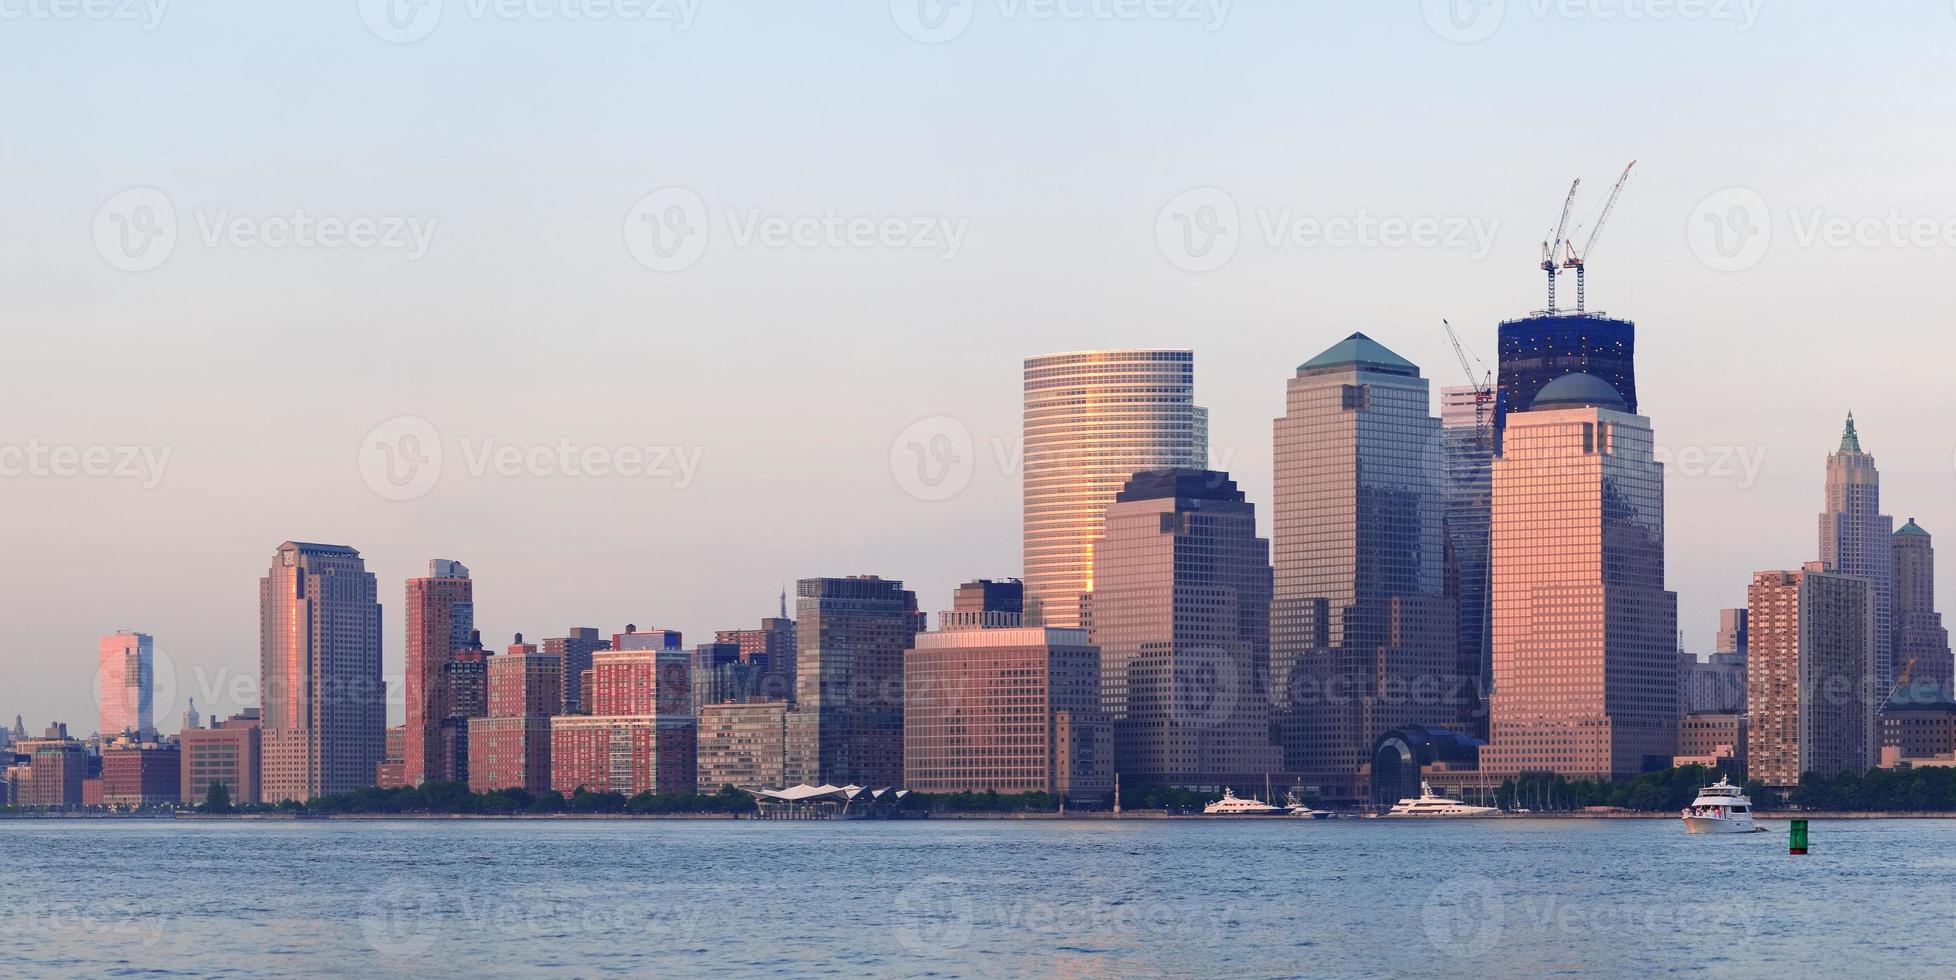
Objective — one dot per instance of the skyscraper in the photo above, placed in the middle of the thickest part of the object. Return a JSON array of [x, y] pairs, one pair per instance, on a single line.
[[1181, 613], [773, 645], [1094, 419], [1537, 350], [1856, 538], [126, 673], [1363, 637], [1585, 634], [848, 726], [990, 704], [440, 621], [1810, 676], [575, 647], [1921, 642], [324, 703], [510, 748], [1468, 449], [641, 735], [1733, 633]]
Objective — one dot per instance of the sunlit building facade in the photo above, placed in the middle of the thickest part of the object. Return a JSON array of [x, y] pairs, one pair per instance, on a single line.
[[1585, 634], [126, 677], [440, 621], [1812, 687], [1921, 642], [848, 725], [1856, 538], [1093, 419], [324, 703]]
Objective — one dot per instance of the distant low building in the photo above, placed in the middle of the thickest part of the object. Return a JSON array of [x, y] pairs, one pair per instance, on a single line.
[[1711, 738], [57, 770], [228, 752], [743, 745], [146, 774], [1919, 731]]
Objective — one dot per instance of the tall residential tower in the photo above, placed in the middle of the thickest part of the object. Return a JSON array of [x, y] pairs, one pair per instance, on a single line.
[[440, 621], [324, 703]]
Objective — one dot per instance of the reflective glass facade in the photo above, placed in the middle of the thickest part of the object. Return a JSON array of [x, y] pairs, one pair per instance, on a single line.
[[1537, 350]]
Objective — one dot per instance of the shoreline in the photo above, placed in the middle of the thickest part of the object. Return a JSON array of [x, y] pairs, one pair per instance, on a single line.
[[1148, 815]]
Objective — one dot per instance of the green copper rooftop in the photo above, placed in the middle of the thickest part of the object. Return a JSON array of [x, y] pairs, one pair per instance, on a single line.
[[1359, 351], [1912, 529], [1850, 440]]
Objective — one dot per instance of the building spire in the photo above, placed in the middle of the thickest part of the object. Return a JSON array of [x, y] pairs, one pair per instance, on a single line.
[[1850, 439]]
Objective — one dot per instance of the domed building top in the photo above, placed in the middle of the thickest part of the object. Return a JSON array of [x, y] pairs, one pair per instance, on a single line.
[[1358, 351], [1579, 391]]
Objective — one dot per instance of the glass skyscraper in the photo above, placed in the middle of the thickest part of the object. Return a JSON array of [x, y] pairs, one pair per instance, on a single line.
[[1537, 350], [1468, 447], [1094, 419], [324, 704], [1363, 637]]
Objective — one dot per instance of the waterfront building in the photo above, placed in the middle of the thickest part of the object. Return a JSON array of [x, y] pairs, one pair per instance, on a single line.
[[510, 747], [1181, 613], [641, 735], [773, 644], [323, 700], [227, 752], [575, 647], [1733, 633], [1714, 686], [1921, 642], [465, 686], [440, 621], [126, 679], [713, 685], [743, 745], [1711, 738], [1812, 698], [990, 704], [1363, 638], [1538, 350], [1585, 633], [392, 771], [57, 768], [1093, 419], [1856, 538], [848, 726], [137, 774], [1919, 731], [1467, 434]]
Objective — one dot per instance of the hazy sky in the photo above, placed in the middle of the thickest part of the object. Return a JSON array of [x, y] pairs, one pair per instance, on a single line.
[[506, 188]]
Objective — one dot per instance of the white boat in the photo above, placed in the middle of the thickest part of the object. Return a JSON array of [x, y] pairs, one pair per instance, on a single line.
[[1298, 808], [1720, 808], [1431, 804], [1232, 805]]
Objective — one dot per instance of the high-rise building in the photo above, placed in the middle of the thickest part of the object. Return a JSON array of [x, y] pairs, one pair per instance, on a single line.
[[984, 604], [126, 672], [773, 644], [440, 621], [510, 747], [1537, 350], [990, 704], [743, 745], [1093, 420], [228, 753], [1181, 613], [1856, 538], [1585, 634], [1921, 642], [848, 727], [1363, 637], [1733, 633], [721, 676], [324, 703], [392, 771], [641, 735], [1467, 425], [576, 648], [1811, 699]]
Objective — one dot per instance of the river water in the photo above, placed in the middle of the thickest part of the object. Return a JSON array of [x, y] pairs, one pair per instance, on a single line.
[[1197, 898]]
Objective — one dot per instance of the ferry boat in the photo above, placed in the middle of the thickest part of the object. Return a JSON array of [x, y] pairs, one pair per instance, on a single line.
[[1720, 808], [1232, 805], [1431, 804]]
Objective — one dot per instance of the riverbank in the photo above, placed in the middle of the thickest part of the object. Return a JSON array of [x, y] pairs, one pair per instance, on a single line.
[[1145, 815]]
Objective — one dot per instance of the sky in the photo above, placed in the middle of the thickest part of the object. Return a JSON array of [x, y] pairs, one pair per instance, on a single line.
[[645, 308]]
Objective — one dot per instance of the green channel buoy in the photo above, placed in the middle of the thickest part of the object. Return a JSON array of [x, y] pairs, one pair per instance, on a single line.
[[1796, 840]]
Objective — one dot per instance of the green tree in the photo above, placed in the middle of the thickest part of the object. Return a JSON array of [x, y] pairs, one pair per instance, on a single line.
[[218, 799]]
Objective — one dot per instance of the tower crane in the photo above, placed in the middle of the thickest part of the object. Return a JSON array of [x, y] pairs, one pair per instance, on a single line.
[[1578, 259], [1551, 261], [1483, 389]]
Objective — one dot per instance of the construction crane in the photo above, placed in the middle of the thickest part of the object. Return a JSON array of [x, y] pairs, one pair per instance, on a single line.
[[1483, 389], [1551, 249], [1578, 259]]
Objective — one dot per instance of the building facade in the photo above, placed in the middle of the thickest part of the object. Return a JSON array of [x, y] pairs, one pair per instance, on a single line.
[[1536, 351], [323, 700], [1585, 633], [1004, 707], [848, 728], [227, 752], [1921, 642], [1181, 614], [575, 647], [1856, 538], [57, 769], [1467, 424], [1812, 695], [1711, 738], [1363, 637], [1094, 419], [126, 678], [510, 747], [440, 621], [141, 774], [641, 735], [773, 645], [743, 745]]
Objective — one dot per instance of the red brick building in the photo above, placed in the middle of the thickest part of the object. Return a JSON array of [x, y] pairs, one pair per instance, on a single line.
[[227, 753], [641, 735], [510, 749], [141, 775]]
